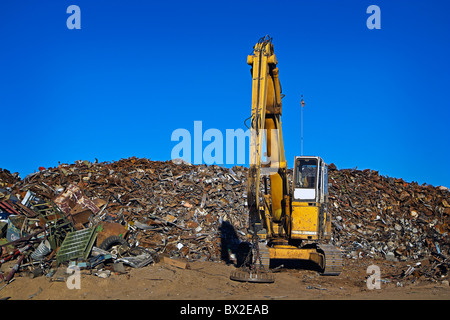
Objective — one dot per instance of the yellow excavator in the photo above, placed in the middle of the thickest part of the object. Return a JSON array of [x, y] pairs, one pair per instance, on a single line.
[[284, 223]]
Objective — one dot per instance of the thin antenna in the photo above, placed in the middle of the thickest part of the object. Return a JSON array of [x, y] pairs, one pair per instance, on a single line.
[[302, 102]]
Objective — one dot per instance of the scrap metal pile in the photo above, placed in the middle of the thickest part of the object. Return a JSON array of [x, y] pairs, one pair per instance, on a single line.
[[144, 209], [384, 217], [155, 208]]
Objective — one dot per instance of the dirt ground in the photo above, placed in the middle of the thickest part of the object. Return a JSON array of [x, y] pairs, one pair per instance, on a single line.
[[211, 281]]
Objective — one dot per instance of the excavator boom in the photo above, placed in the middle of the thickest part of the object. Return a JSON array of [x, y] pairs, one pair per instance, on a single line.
[[266, 123]]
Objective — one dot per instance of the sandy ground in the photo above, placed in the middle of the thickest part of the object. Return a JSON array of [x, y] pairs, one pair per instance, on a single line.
[[210, 281]]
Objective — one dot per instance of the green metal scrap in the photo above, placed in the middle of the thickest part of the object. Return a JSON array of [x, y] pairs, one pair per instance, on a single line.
[[77, 245], [57, 223]]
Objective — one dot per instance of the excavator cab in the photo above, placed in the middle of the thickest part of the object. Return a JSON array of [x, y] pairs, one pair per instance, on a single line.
[[310, 219]]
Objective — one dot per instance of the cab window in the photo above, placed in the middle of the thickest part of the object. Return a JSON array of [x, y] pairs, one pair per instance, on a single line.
[[305, 173]]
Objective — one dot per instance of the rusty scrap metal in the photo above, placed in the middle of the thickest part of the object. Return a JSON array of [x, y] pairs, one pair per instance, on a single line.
[[199, 212]]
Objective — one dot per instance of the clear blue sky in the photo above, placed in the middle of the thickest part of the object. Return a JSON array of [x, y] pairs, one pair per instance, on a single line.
[[138, 70]]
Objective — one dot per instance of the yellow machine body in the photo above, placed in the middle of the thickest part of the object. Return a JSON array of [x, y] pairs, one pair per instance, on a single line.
[[292, 220], [304, 221]]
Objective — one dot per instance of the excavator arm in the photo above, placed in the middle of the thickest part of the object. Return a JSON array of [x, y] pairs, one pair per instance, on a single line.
[[265, 122]]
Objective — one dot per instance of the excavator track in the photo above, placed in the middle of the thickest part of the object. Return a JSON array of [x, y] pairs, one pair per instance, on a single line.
[[333, 262]]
